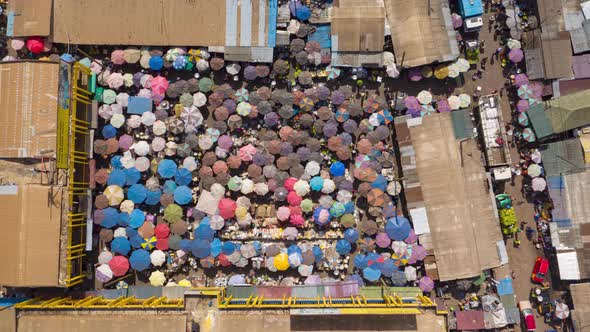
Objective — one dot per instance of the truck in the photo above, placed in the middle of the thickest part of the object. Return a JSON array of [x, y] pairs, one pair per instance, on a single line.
[[491, 129], [471, 11]]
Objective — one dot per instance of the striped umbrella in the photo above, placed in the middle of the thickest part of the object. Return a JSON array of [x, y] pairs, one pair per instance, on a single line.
[[525, 92], [523, 119], [426, 109], [528, 135]]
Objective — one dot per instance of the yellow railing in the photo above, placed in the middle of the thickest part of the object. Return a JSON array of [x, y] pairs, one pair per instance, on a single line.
[[77, 177], [98, 302]]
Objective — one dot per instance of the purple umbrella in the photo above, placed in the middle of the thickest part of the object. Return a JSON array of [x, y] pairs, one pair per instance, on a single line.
[[330, 128], [418, 254], [350, 126], [383, 240], [415, 74], [412, 103], [250, 73], [125, 142], [412, 237], [323, 92], [457, 20], [442, 106], [515, 55], [522, 105], [521, 79], [338, 97], [230, 105], [271, 119], [426, 284], [225, 142]]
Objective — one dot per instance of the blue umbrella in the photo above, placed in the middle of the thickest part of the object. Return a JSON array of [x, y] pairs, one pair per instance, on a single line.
[[322, 216], [317, 253], [316, 183], [140, 260], [337, 169], [185, 245], [303, 13], [111, 217], [153, 197], [343, 247], [116, 162], [156, 62], [371, 274], [398, 278], [117, 178], [351, 235], [109, 131], [398, 228], [200, 248], [123, 219], [136, 218], [137, 193], [131, 232], [183, 195], [388, 267], [349, 207], [216, 247], [167, 168], [257, 246], [380, 183], [136, 241], [120, 245], [169, 187], [358, 279], [361, 261], [204, 232], [293, 249], [132, 176], [228, 248], [183, 177], [205, 221], [389, 210]]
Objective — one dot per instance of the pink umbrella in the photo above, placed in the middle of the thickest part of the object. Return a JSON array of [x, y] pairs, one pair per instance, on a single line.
[[247, 152], [159, 85], [539, 184], [227, 208], [442, 105], [457, 20], [115, 80], [294, 199], [522, 105], [412, 237], [125, 142], [118, 57], [426, 284], [225, 142], [283, 213], [383, 240], [521, 79], [516, 55], [418, 254], [297, 220]]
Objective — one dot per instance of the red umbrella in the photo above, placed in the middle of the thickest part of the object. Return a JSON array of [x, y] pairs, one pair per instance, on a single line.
[[119, 265], [162, 244], [227, 208], [223, 261], [162, 231], [35, 45]]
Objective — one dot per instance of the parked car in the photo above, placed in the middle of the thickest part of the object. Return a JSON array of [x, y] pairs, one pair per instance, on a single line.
[[540, 270], [527, 314]]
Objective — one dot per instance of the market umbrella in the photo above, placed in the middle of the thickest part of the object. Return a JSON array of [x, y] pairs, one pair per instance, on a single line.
[[521, 79], [415, 74], [465, 100], [398, 228], [157, 278], [426, 284], [562, 311], [516, 55], [539, 184], [523, 119], [528, 135], [371, 274], [119, 266], [454, 102], [114, 195]]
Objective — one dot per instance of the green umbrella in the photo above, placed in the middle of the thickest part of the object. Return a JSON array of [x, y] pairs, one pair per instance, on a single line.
[[347, 220], [186, 99], [234, 183], [109, 96], [306, 205], [205, 84], [173, 213]]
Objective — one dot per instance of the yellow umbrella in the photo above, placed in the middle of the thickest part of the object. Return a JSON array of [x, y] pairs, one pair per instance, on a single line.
[[185, 283], [427, 71], [441, 72], [281, 262], [241, 212], [114, 194], [157, 278]]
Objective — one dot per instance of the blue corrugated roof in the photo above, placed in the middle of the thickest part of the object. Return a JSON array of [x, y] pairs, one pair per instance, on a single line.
[[505, 287], [470, 8]]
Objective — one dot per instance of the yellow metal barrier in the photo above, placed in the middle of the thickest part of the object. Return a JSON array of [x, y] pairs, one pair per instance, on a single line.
[[99, 302]]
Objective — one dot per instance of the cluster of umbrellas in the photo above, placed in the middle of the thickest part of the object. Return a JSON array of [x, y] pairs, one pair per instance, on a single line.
[[529, 94], [441, 72], [424, 104]]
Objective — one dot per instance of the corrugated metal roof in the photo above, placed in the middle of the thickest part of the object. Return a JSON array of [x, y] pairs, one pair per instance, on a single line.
[[534, 63], [462, 125], [539, 121], [581, 38], [562, 157], [569, 112]]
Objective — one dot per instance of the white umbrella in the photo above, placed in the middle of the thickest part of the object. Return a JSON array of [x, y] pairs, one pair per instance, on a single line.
[[247, 186], [462, 65], [539, 184], [394, 188], [146, 81], [158, 144], [217, 190], [114, 195], [410, 273], [388, 59], [127, 160], [128, 79], [117, 120], [374, 119], [536, 156], [513, 43], [148, 118], [329, 186], [465, 100], [145, 93], [127, 206], [140, 148], [392, 71], [301, 187], [454, 70], [134, 121], [170, 148], [158, 257], [216, 222], [142, 164], [192, 116], [534, 170], [454, 102], [157, 278], [105, 257], [199, 99], [233, 69], [189, 163], [105, 111], [202, 65], [344, 196], [269, 263], [312, 168], [123, 98], [159, 128], [261, 188], [105, 271], [121, 231], [562, 311], [152, 183], [424, 97], [244, 108], [305, 270], [206, 142]]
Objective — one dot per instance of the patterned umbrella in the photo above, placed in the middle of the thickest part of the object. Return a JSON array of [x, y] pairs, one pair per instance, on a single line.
[[306, 104], [411, 103], [523, 119], [528, 135], [333, 72], [426, 284], [516, 55], [521, 79], [426, 109], [522, 105], [539, 184], [114, 194]]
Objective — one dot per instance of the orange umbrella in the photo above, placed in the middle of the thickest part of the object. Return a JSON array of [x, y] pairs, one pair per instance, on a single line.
[[376, 197]]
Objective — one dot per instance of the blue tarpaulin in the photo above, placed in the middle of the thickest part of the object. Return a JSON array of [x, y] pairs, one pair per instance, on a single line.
[[139, 105], [140, 260], [322, 35], [505, 287]]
